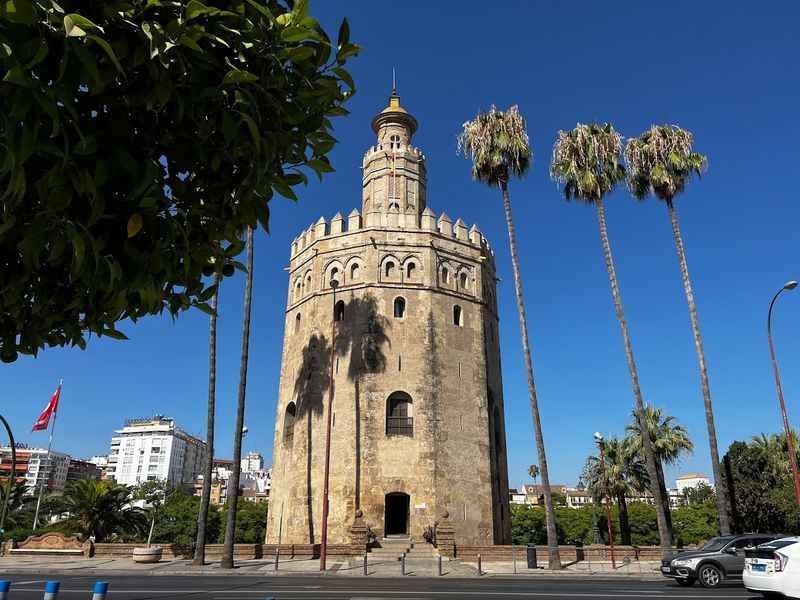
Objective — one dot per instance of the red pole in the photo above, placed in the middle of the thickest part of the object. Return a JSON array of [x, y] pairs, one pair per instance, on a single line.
[[323, 553], [608, 503], [789, 442]]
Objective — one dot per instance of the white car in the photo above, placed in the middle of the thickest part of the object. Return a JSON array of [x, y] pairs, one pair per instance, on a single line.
[[774, 568]]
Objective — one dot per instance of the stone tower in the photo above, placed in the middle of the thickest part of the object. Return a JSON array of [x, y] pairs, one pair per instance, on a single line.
[[409, 333]]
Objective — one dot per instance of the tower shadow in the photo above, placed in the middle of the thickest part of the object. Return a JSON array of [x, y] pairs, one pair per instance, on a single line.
[[309, 389], [362, 335]]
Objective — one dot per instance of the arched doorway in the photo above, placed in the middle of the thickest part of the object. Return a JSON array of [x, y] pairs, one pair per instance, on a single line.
[[397, 510]]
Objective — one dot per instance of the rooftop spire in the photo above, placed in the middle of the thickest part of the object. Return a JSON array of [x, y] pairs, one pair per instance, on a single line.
[[394, 83]]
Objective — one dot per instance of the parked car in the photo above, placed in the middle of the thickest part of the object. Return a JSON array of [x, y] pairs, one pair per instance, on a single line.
[[720, 559], [774, 568]]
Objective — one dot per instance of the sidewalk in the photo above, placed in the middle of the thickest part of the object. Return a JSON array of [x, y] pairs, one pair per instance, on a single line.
[[419, 567]]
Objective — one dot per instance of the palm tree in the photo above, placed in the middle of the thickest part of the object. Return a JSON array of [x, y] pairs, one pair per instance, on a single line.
[[102, 509], [669, 441], [661, 162], [208, 469], [625, 474], [233, 482], [587, 161], [533, 472], [497, 143]]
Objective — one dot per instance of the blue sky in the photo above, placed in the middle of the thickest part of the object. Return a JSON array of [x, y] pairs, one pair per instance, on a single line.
[[726, 71]]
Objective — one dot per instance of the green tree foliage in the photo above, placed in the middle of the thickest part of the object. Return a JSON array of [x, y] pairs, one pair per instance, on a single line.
[[251, 521], [574, 525], [760, 486], [177, 521], [102, 509], [695, 523], [138, 139], [699, 494]]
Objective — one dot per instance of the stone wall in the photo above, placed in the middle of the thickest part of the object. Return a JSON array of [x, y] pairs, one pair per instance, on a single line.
[[456, 458]]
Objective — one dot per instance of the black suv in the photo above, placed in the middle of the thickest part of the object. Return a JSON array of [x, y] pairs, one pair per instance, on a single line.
[[721, 558]]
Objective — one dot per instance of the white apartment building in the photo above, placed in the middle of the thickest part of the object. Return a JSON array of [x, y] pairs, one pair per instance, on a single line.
[[253, 461], [34, 466], [691, 480], [155, 449]]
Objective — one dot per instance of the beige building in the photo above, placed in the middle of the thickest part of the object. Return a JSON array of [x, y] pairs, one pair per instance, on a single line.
[[418, 425]]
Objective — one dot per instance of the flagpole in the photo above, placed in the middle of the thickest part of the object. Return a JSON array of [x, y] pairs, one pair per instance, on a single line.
[[49, 463]]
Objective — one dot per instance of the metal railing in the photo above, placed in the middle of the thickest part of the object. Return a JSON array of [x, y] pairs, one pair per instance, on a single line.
[[400, 426]]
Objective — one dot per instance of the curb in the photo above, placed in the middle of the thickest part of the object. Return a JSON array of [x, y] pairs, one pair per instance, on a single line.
[[243, 572]]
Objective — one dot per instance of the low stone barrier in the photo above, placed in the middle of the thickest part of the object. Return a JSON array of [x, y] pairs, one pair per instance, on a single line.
[[568, 554], [119, 550]]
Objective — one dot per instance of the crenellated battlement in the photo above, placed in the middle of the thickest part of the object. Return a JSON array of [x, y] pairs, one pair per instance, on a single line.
[[442, 225]]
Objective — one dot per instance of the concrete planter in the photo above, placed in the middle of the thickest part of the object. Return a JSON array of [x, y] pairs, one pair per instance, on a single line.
[[147, 555]]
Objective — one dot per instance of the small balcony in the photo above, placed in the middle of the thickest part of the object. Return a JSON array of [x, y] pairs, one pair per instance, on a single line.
[[400, 426]]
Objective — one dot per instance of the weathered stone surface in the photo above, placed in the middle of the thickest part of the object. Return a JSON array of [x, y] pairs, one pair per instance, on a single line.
[[418, 318]]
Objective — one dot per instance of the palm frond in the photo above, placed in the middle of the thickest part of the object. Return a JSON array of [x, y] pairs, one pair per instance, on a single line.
[[661, 161], [587, 161], [498, 145]]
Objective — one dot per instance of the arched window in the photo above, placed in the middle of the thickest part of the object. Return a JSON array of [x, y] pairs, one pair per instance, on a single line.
[[298, 289], [411, 270], [399, 307], [394, 205], [462, 281], [334, 276], [338, 311], [399, 416], [395, 142], [458, 316], [389, 269], [297, 323], [355, 272], [446, 276], [288, 424], [308, 283]]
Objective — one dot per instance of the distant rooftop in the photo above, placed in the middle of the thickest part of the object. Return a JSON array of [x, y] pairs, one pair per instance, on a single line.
[[692, 476]]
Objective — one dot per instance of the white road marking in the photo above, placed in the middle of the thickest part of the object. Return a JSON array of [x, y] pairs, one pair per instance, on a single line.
[[406, 594]]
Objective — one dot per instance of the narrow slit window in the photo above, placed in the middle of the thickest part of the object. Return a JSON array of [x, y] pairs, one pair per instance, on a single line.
[[399, 307], [462, 281], [338, 311], [458, 316], [411, 270], [389, 269]]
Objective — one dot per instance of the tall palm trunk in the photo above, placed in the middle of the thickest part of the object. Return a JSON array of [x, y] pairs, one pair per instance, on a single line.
[[664, 530], [553, 558], [662, 485], [208, 469], [233, 482], [719, 480], [624, 522]]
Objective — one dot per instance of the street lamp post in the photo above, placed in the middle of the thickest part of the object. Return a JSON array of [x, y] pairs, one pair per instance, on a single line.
[[12, 475], [598, 437], [323, 552], [789, 285]]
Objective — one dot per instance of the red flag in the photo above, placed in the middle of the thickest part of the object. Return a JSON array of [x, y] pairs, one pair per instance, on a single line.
[[44, 419]]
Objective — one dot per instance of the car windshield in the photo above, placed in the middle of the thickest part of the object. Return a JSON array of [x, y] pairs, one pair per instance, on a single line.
[[717, 543]]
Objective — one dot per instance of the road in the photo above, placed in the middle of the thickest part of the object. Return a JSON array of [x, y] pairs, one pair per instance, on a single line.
[[242, 587]]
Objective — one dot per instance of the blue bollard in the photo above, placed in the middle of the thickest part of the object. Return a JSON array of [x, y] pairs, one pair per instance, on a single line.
[[51, 590], [100, 590], [5, 588]]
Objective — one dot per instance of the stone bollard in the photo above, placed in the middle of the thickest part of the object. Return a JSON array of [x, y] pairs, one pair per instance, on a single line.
[[100, 590], [51, 590], [5, 589]]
